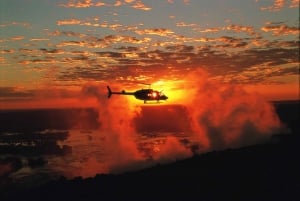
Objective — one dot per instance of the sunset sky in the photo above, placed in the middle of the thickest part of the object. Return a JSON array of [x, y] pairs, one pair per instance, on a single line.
[[51, 48]]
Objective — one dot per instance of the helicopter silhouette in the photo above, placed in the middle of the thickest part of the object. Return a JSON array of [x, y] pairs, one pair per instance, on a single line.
[[142, 94]]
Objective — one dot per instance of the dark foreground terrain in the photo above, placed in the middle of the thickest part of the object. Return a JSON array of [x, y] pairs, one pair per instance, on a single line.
[[268, 171]]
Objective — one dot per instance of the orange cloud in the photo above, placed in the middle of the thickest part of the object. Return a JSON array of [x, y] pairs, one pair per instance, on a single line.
[[7, 51], [78, 4], [99, 4], [294, 3], [15, 38], [87, 22], [65, 33], [210, 30], [238, 28], [156, 31], [39, 39], [68, 22], [277, 6], [129, 1], [14, 23], [2, 60], [281, 30], [89, 3], [186, 2], [140, 5], [73, 43], [183, 24]]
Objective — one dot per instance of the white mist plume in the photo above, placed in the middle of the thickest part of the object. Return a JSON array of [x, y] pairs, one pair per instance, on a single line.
[[221, 116], [226, 116]]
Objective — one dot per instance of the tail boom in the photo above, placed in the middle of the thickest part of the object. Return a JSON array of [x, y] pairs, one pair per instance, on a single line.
[[109, 92]]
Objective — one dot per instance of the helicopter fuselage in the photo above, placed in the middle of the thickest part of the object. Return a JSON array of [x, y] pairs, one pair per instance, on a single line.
[[142, 94]]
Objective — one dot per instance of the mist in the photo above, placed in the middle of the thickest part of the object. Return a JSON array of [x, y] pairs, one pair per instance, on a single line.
[[215, 115]]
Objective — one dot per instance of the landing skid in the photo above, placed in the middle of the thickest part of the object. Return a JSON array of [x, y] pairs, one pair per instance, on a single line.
[[157, 102]]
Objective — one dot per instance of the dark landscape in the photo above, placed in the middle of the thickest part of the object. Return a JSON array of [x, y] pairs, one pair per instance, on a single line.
[[268, 171]]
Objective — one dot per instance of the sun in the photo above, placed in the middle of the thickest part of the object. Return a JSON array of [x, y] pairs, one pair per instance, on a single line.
[[173, 89]]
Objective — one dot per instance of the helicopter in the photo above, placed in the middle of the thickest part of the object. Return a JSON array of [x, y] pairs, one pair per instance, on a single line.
[[142, 94]]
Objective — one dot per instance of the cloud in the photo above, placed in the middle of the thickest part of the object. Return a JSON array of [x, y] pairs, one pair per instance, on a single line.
[[105, 42], [239, 28], [93, 22], [141, 6], [186, 2], [15, 38], [74, 43], [14, 92], [39, 39], [118, 3], [27, 51], [220, 56], [294, 4], [183, 24], [156, 31], [78, 4], [211, 57], [232, 42], [66, 33], [51, 51], [7, 51], [277, 6], [15, 23], [68, 22], [136, 4], [99, 4], [123, 39], [210, 30], [281, 30], [180, 48], [3, 60]]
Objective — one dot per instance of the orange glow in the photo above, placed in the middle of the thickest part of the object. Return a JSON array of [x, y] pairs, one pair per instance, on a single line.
[[273, 92], [154, 94], [175, 90]]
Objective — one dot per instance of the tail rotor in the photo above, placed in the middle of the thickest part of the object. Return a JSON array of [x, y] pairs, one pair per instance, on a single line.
[[109, 93]]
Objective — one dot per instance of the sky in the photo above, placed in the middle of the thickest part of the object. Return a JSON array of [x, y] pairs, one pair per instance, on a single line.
[[51, 49]]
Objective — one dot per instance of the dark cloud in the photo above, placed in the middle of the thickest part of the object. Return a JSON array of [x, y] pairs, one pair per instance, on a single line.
[[128, 48], [110, 54], [13, 92], [51, 51], [164, 54], [180, 48], [181, 57]]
